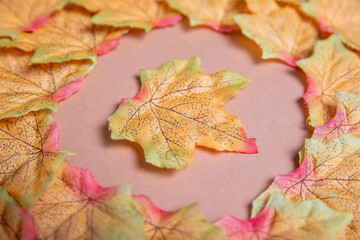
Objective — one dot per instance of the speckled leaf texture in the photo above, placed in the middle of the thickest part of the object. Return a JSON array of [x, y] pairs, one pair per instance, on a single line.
[[76, 207], [25, 88], [281, 33], [143, 14], [283, 219], [68, 35], [21, 15], [185, 223], [15, 222], [329, 172], [29, 155], [341, 17], [178, 107], [331, 68], [216, 14]]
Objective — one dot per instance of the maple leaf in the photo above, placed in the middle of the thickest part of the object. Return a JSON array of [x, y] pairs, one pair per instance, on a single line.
[[262, 6], [144, 14], [178, 107], [185, 223], [341, 17], [329, 172], [281, 33], [216, 14], [283, 219], [20, 15], [68, 35], [26, 88], [346, 120], [29, 156], [16, 222], [76, 207], [331, 68]]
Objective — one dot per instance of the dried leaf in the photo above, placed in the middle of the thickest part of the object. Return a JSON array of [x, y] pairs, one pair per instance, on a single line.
[[329, 172], [216, 14], [16, 222], [76, 207], [185, 223], [20, 15], [342, 17], [346, 120], [178, 107], [283, 219], [26, 88], [331, 68], [68, 35], [281, 33], [144, 14], [29, 156]]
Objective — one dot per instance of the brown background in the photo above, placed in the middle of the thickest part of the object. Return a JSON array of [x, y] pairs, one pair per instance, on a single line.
[[224, 183]]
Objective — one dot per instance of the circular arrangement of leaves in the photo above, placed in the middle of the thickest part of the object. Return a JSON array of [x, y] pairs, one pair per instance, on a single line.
[[48, 46]]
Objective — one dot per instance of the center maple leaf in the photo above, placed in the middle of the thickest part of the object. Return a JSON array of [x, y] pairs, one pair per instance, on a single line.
[[178, 107]]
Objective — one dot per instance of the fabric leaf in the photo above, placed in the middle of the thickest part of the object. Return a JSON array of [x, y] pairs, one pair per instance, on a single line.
[[76, 207], [25, 88], [185, 223], [178, 107], [69, 35], [263, 7], [331, 68], [216, 14], [329, 172], [342, 17], [144, 14], [29, 156], [281, 34], [20, 15], [283, 219]]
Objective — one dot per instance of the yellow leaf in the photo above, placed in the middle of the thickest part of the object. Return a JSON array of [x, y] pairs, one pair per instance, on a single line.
[[178, 107], [331, 68], [263, 7], [26, 88]]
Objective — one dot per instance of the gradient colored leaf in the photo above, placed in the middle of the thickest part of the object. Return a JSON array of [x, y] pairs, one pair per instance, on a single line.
[[25, 88], [331, 68], [329, 172], [342, 17], [15, 222], [144, 14], [346, 120], [76, 207], [216, 14], [281, 33], [178, 107], [20, 15], [29, 155], [283, 219], [69, 35], [185, 223]]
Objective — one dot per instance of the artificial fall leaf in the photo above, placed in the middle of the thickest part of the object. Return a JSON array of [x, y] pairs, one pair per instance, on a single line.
[[283, 219], [144, 14], [262, 6], [15, 222], [185, 223], [20, 15], [68, 35], [29, 156], [346, 120], [329, 172], [178, 107], [342, 17], [216, 14], [331, 68], [25, 88], [76, 207], [281, 33]]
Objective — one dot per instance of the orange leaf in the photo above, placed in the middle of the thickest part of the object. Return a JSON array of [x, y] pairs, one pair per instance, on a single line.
[[178, 107]]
